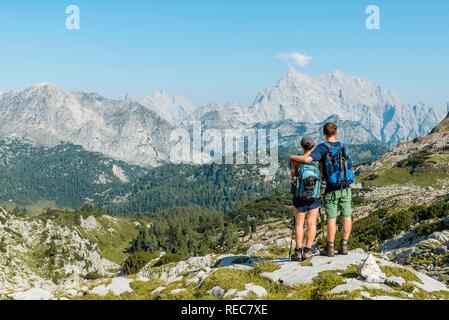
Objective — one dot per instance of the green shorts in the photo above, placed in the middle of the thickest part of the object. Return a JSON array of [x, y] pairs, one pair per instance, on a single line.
[[338, 200]]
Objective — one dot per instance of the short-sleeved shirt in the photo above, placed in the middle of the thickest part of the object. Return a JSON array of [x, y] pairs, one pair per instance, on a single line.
[[319, 155]]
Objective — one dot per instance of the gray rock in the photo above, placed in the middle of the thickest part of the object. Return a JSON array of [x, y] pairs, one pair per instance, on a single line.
[[72, 292], [117, 287], [257, 290], [194, 280], [395, 281], [230, 293], [158, 290], [178, 291], [33, 294], [365, 294], [440, 236], [440, 250], [370, 271], [101, 291], [241, 295], [356, 284], [293, 274], [385, 298], [281, 242], [429, 243], [256, 248], [120, 286], [217, 292]]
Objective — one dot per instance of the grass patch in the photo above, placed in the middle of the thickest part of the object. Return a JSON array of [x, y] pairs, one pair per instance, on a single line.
[[405, 274], [306, 263], [265, 266], [324, 283]]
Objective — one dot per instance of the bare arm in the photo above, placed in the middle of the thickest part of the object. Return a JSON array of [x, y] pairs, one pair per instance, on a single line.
[[294, 167], [301, 159]]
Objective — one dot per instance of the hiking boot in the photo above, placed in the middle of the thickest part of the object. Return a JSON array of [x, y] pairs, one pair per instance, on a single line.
[[343, 248], [297, 256], [328, 252], [307, 254]]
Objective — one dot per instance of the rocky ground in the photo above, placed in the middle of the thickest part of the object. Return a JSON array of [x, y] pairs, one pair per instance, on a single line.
[[236, 277], [39, 256]]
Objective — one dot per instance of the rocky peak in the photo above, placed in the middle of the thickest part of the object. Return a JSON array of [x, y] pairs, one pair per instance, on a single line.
[[172, 109]]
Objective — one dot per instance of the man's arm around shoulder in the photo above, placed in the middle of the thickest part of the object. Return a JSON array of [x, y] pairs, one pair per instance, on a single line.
[[300, 159]]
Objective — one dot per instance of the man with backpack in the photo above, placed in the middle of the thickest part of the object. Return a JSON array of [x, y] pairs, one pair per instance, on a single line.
[[337, 168]]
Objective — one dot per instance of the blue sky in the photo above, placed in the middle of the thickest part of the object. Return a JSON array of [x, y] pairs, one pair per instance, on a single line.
[[222, 50]]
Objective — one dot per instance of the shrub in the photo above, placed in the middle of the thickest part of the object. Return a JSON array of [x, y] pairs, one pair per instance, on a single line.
[[169, 258], [93, 275], [136, 261], [395, 223], [325, 282]]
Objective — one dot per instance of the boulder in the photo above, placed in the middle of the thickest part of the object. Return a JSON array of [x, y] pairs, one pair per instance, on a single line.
[[257, 290], [294, 274], [255, 248], [117, 287], [440, 250], [217, 292], [280, 243], [370, 271], [231, 293], [120, 286], [395, 281], [72, 292], [101, 290], [158, 290], [178, 291], [33, 294]]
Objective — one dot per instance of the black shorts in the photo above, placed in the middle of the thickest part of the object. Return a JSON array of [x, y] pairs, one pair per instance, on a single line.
[[305, 206]]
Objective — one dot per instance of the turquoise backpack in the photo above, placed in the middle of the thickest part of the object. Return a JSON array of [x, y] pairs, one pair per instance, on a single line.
[[308, 182]]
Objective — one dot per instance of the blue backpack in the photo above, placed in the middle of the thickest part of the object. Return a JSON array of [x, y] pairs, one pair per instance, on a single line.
[[338, 167], [308, 182]]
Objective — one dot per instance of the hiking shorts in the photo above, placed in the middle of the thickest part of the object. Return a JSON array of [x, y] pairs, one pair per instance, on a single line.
[[306, 206], [338, 200]]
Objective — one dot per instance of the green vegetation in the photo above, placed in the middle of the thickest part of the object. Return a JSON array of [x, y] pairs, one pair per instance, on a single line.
[[325, 282], [265, 266], [186, 231], [423, 169], [136, 261], [2, 245], [217, 187], [407, 275], [66, 174], [169, 258], [112, 235], [384, 224]]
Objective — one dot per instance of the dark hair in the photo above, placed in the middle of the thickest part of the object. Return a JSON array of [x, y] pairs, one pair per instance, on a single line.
[[330, 129], [307, 144]]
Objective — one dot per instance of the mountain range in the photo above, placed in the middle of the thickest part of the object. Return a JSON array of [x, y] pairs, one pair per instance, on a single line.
[[138, 131]]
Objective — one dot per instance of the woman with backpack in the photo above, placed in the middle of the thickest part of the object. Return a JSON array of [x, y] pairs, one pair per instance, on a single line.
[[306, 188]]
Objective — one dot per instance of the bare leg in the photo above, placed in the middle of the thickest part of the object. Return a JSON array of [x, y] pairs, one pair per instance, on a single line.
[[300, 217], [331, 229], [311, 227], [347, 228]]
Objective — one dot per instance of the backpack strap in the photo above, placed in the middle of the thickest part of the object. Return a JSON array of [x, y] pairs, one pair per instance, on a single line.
[[329, 146]]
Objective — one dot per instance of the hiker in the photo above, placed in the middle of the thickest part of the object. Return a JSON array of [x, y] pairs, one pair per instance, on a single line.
[[306, 204], [337, 169]]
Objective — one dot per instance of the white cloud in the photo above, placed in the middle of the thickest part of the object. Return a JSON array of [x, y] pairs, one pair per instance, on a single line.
[[296, 58]]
